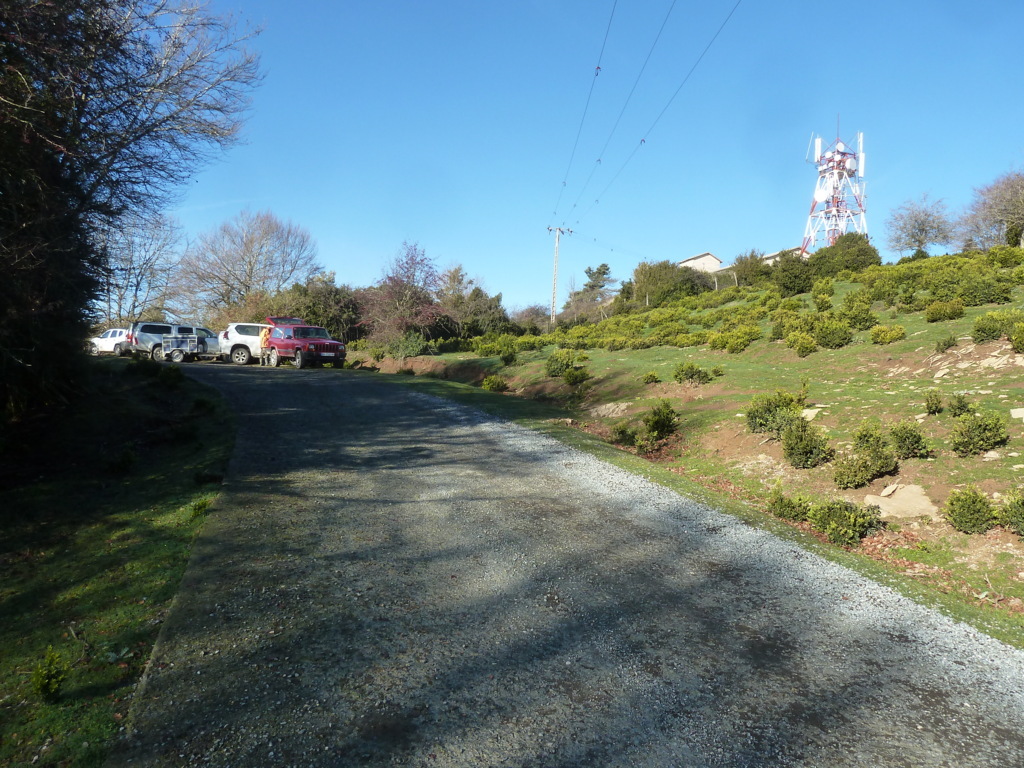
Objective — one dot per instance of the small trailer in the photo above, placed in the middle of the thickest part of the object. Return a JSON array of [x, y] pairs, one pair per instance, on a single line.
[[186, 348]]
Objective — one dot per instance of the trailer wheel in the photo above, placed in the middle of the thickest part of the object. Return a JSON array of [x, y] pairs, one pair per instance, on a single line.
[[177, 356]]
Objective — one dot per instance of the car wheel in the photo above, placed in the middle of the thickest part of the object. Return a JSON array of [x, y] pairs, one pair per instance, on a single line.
[[339, 363], [275, 359], [177, 356], [300, 359], [119, 350], [241, 356], [157, 353], [93, 349]]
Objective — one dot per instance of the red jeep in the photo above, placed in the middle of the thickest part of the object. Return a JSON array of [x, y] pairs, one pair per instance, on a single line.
[[291, 339]]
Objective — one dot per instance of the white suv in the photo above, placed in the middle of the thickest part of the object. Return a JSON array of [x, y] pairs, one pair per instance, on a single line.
[[240, 343]]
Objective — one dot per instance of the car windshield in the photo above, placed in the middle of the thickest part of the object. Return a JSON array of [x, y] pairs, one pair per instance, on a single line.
[[311, 333]]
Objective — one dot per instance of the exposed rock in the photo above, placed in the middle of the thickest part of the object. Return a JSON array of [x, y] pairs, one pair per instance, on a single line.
[[908, 501]]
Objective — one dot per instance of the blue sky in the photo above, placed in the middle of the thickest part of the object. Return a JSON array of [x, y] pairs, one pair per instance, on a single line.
[[451, 123]]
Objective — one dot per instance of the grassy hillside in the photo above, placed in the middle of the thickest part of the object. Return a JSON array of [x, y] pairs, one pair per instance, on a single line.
[[977, 577]]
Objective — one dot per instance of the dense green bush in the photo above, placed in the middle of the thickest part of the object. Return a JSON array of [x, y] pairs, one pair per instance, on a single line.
[[560, 360], [858, 315], [969, 510], [1017, 338], [661, 421], [1012, 513], [772, 412], [974, 433], [907, 441], [651, 377], [822, 303], [529, 343], [623, 433], [933, 402], [852, 470], [959, 405], [494, 384], [833, 333], [986, 328], [788, 508], [944, 310], [887, 334], [801, 343], [804, 445], [844, 522], [691, 373], [575, 375]]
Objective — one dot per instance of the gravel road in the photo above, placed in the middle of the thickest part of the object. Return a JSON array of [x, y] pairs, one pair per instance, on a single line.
[[390, 579]]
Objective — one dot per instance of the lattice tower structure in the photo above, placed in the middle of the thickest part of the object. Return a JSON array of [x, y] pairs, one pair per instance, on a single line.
[[838, 206]]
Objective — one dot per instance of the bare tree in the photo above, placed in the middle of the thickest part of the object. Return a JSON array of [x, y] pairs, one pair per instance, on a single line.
[[140, 254], [106, 107], [996, 215], [917, 224], [403, 300], [254, 253]]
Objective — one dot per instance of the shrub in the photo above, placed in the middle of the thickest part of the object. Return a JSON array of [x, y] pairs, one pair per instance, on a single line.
[[560, 360], [1017, 338], [623, 434], [943, 345], [507, 356], [887, 334], [804, 445], [575, 375], [787, 508], [717, 371], [529, 343], [1012, 513], [833, 333], [933, 402], [852, 470], [661, 421], [823, 287], [858, 315], [959, 405], [773, 412], [974, 433], [986, 328], [691, 373], [651, 377], [49, 675], [944, 310], [822, 303], [495, 384], [801, 343], [969, 510], [907, 441], [844, 522]]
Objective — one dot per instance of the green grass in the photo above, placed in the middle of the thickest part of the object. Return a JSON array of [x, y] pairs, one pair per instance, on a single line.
[[94, 548], [854, 384]]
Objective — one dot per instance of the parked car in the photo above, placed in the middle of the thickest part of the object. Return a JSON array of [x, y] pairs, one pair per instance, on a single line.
[[112, 342], [147, 338], [240, 342], [292, 339]]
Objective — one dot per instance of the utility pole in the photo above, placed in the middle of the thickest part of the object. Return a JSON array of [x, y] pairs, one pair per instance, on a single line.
[[554, 280]]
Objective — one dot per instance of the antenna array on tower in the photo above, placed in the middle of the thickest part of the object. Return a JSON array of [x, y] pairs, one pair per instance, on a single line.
[[838, 204]]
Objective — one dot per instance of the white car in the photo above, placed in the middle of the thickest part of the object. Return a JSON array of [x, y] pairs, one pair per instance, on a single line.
[[240, 343], [112, 342]]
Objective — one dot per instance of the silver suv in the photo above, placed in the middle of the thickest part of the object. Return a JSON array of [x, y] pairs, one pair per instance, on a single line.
[[147, 338], [240, 343]]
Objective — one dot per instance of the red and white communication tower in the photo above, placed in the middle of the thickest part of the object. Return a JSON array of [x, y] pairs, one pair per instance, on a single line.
[[838, 205]]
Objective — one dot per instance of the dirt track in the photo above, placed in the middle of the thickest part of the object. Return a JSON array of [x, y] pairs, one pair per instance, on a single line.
[[390, 580]]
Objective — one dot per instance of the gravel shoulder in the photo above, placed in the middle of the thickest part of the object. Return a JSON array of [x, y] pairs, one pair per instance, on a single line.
[[390, 579]]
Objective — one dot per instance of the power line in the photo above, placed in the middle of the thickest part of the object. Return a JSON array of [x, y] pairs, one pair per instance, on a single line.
[[664, 109], [625, 104], [586, 107]]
